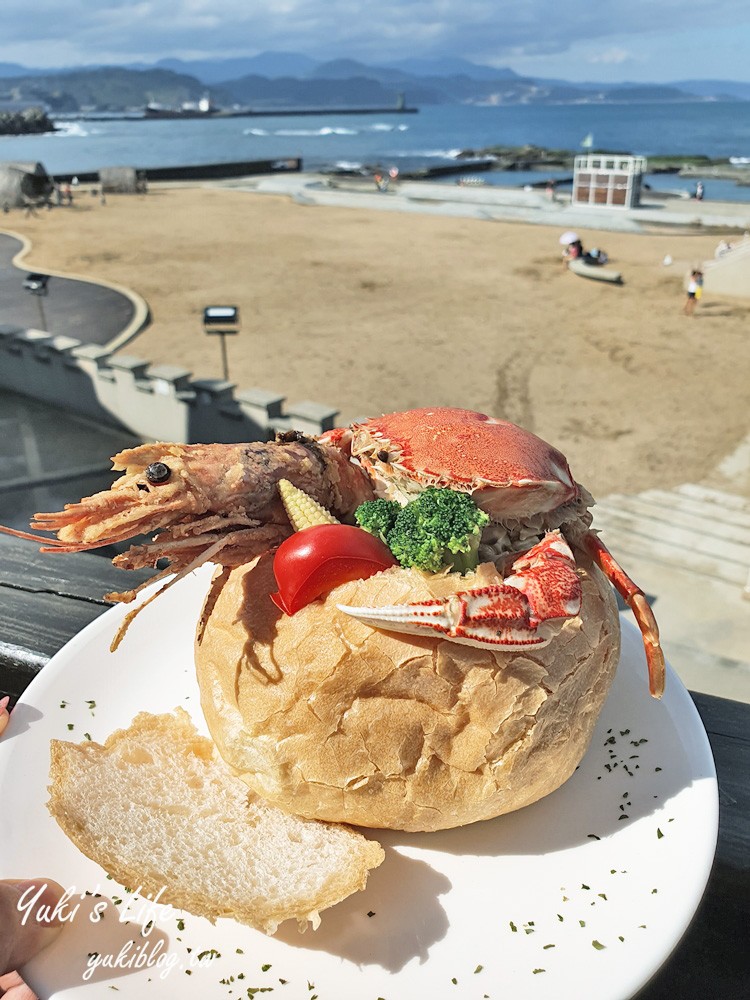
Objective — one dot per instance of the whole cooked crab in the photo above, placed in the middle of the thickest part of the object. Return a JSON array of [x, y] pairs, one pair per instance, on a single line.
[[220, 503]]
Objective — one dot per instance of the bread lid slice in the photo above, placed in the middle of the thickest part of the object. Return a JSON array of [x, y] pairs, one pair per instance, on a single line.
[[156, 807]]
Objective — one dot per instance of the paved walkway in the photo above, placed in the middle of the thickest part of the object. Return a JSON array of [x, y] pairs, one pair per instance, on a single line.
[[92, 313], [502, 204], [689, 548]]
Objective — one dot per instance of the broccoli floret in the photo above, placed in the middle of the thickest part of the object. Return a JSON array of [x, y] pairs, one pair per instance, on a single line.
[[377, 517], [440, 529]]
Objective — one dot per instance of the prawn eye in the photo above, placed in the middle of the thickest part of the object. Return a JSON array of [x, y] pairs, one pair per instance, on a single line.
[[158, 473]]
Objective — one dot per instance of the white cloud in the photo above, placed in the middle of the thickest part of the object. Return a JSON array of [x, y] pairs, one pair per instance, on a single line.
[[612, 57]]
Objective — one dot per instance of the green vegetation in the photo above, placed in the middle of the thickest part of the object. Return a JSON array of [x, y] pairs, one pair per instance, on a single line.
[[110, 88], [378, 517], [438, 530]]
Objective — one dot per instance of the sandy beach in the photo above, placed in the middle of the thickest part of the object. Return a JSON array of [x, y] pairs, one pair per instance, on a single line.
[[370, 312]]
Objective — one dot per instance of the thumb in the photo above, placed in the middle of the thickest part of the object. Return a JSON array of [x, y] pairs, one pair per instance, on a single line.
[[27, 922]]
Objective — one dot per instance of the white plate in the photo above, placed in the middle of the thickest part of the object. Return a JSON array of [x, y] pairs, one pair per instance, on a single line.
[[583, 894]]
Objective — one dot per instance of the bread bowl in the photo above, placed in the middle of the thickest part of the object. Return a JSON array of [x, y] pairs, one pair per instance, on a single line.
[[330, 718]]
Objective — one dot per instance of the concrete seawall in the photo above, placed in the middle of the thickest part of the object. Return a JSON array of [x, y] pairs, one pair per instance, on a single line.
[[154, 402]]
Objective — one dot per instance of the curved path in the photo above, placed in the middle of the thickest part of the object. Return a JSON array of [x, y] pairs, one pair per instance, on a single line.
[[91, 311]]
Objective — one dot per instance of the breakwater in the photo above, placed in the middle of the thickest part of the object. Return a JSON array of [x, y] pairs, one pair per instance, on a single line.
[[199, 171]]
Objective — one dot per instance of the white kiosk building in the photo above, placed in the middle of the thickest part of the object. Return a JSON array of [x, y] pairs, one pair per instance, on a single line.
[[608, 181]]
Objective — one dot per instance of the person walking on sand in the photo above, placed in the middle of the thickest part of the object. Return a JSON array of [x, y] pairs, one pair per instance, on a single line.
[[694, 290]]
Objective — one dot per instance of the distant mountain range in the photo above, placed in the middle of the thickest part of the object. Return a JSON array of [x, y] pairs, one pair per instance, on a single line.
[[288, 79]]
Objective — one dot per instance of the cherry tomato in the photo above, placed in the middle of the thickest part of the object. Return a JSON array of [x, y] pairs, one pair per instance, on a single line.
[[313, 561]]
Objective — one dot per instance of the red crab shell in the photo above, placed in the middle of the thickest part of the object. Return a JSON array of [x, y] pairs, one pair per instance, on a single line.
[[511, 472]]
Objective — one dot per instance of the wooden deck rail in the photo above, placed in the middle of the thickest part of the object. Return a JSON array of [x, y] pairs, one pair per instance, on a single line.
[[44, 601]]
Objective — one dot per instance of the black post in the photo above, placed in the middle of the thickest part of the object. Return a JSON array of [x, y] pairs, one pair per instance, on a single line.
[[225, 362], [42, 317], [222, 321]]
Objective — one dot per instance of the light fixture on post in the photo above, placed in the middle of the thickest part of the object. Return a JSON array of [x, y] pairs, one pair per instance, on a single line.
[[222, 321], [36, 285]]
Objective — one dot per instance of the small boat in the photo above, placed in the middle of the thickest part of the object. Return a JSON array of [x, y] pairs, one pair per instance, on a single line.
[[204, 108], [596, 271]]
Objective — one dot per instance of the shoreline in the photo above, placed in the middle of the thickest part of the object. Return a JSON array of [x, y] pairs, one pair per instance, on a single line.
[[339, 307], [368, 311]]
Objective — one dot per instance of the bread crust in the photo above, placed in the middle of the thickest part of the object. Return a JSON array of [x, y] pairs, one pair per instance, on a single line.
[[331, 719], [114, 800]]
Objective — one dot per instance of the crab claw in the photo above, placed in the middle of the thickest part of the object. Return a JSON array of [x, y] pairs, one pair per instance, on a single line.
[[634, 597], [527, 609]]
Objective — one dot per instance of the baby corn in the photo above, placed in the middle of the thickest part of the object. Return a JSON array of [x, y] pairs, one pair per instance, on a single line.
[[301, 509]]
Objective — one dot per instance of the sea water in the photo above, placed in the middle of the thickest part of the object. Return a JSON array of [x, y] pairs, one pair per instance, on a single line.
[[436, 135]]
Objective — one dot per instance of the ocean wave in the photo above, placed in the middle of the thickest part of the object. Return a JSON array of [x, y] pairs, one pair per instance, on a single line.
[[385, 127], [431, 154], [74, 130], [311, 132]]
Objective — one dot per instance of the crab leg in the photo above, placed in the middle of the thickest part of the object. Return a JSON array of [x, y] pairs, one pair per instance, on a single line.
[[634, 597], [527, 609]]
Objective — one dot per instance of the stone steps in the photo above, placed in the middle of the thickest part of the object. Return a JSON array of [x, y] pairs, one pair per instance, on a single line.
[[693, 528]]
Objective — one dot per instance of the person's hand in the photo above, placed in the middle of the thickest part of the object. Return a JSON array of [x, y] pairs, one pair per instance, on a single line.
[[4, 714], [21, 939]]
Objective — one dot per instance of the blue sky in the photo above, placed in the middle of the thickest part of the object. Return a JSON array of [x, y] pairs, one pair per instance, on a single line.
[[646, 40]]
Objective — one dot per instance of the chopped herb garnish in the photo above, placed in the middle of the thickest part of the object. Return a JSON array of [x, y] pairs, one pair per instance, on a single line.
[[239, 951], [513, 927], [454, 981], [602, 895], [210, 952], [478, 969], [63, 704], [180, 925], [593, 836], [582, 923], [70, 727], [188, 972], [620, 937], [598, 945], [546, 946], [537, 971], [584, 886], [265, 968], [659, 834], [559, 917], [371, 913], [654, 892]]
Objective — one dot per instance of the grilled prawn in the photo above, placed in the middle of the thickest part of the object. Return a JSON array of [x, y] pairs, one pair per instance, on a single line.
[[220, 503]]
